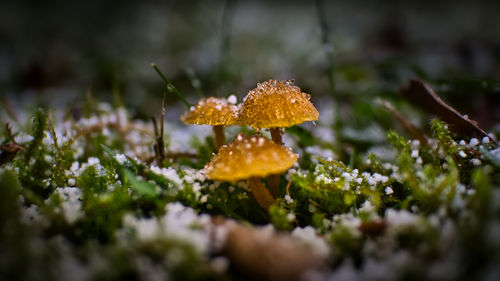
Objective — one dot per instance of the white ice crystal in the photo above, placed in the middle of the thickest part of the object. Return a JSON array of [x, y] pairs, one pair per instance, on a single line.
[[71, 202], [473, 142], [232, 99], [71, 182], [475, 162], [121, 158], [168, 173], [32, 215], [388, 190], [414, 153]]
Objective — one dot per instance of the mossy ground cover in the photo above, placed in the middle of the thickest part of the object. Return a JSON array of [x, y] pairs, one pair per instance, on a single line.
[[88, 198]]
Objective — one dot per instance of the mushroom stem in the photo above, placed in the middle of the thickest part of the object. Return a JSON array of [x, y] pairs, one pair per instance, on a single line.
[[276, 135], [274, 180], [220, 139], [260, 193], [274, 183]]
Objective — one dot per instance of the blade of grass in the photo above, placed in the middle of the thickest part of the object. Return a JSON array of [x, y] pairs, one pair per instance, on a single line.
[[143, 188], [170, 87]]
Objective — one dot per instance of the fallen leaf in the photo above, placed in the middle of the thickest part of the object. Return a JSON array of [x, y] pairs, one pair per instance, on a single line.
[[421, 94]]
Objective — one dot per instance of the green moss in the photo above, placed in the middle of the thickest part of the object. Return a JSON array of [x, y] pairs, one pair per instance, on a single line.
[[39, 126], [345, 243], [9, 191], [282, 215], [312, 199]]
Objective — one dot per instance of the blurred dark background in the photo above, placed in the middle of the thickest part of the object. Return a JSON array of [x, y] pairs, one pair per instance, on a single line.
[[56, 51]]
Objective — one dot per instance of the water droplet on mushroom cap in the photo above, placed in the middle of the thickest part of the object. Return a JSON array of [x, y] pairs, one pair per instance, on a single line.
[[276, 104], [245, 158]]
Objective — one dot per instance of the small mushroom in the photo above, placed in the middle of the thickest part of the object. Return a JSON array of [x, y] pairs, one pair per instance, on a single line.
[[276, 104], [251, 158], [216, 112]]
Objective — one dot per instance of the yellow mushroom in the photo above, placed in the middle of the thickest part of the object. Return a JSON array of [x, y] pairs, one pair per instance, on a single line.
[[216, 112], [276, 104], [251, 158]]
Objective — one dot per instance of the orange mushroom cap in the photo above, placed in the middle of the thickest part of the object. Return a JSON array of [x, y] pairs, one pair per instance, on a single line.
[[211, 111], [248, 157], [276, 104]]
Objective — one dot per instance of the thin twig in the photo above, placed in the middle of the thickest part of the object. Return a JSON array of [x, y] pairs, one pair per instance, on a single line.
[[287, 189], [156, 148], [159, 146], [155, 126], [8, 132], [53, 133], [162, 116]]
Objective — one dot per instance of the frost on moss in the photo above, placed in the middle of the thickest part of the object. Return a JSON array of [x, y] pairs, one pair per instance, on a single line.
[[92, 192]]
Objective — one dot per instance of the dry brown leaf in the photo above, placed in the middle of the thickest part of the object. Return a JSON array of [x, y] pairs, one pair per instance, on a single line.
[[421, 94]]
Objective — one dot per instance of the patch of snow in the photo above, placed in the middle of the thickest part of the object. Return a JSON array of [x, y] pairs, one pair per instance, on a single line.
[[71, 203], [168, 173], [308, 236], [400, 218]]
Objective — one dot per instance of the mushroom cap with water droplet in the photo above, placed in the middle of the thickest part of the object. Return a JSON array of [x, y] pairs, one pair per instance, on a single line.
[[276, 104], [248, 157], [211, 111]]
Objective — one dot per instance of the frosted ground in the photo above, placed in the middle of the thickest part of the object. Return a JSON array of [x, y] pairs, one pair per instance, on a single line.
[[170, 223]]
